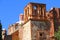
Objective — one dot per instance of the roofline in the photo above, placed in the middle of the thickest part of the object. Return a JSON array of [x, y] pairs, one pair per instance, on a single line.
[[34, 3]]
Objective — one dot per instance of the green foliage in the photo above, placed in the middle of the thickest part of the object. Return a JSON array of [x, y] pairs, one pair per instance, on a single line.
[[0, 31], [57, 34]]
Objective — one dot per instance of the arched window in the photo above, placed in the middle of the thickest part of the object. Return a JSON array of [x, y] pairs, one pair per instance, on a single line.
[[28, 11], [34, 10], [39, 11], [35, 7]]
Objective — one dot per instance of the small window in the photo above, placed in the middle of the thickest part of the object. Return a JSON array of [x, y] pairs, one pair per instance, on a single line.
[[40, 34], [27, 10]]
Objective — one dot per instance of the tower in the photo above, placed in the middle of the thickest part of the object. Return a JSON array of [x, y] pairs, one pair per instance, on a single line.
[[21, 18], [35, 23], [54, 14], [34, 11]]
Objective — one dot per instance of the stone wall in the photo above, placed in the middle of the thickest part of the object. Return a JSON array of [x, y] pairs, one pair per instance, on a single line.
[[27, 31], [40, 30], [15, 35]]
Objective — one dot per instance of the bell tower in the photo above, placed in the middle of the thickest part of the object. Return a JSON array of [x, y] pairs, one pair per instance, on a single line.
[[36, 21], [34, 11]]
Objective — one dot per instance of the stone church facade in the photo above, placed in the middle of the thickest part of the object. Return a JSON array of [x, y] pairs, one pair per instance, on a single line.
[[36, 23]]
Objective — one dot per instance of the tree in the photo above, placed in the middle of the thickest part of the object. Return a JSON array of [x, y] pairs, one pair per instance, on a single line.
[[57, 34], [0, 31]]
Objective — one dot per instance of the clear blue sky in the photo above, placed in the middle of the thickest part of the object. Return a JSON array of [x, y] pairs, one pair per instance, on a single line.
[[10, 9]]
